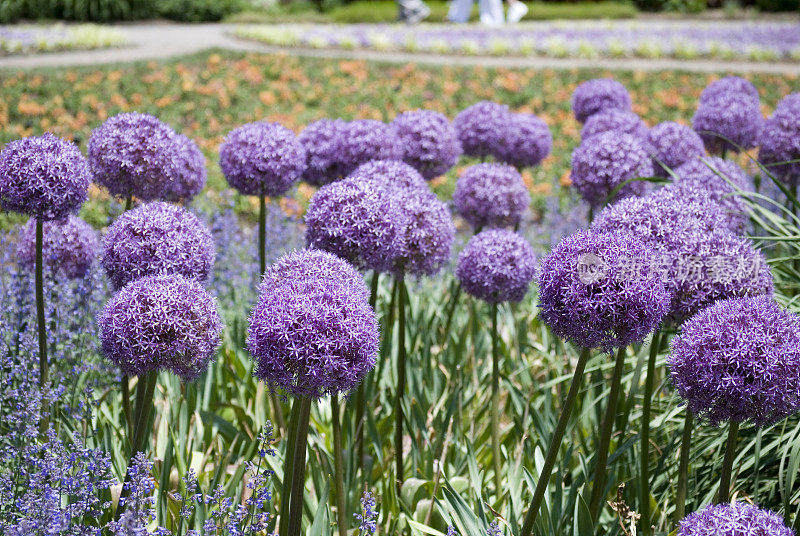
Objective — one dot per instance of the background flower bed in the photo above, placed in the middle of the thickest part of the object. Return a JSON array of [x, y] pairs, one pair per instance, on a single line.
[[30, 39]]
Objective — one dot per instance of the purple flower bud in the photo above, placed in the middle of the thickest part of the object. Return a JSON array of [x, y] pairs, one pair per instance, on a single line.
[[428, 141], [425, 233], [161, 322], [157, 238], [672, 145], [738, 519], [598, 95], [481, 128], [324, 140], [729, 84], [190, 176], [390, 174], [496, 266], [491, 195], [780, 140], [262, 158], [43, 176], [69, 246], [616, 121], [367, 139], [728, 116], [526, 141]]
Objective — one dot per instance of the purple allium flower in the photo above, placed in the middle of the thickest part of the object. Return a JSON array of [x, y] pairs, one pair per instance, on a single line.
[[600, 290], [491, 195], [526, 141], [780, 140], [190, 171], [481, 128], [616, 121], [313, 332], [428, 141], [671, 145], [605, 161], [737, 519], [262, 158], [598, 95], [158, 322], [368, 139], [728, 120], [43, 176], [739, 360], [157, 238], [425, 233], [390, 174], [729, 85], [69, 246], [323, 141], [496, 266]]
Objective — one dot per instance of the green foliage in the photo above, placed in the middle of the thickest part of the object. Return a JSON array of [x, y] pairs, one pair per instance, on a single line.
[[199, 10], [77, 10], [778, 5], [685, 6]]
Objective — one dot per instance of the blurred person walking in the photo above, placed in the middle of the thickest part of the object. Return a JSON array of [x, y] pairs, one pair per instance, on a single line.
[[412, 11]]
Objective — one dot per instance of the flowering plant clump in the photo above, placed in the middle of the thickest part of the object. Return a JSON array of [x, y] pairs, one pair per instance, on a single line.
[[737, 519], [428, 140], [604, 162], [780, 140], [313, 332], [598, 95], [390, 174], [157, 238], [599, 290], [481, 128], [526, 141], [43, 176], [262, 158], [324, 140], [496, 266], [672, 145], [368, 139], [616, 121], [161, 322], [69, 246], [491, 195], [738, 360], [728, 116]]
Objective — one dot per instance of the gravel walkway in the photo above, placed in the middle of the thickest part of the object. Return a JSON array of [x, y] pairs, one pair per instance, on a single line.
[[158, 41]]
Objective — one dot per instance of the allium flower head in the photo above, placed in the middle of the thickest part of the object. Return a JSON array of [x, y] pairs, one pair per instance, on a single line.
[[672, 145], [157, 238], [428, 141], [43, 176], [323, 141], [526, 141], [729, 121], [425, 234], [780, 140], [190, 173], [598, 95], [69, 246], [616, 121], [738, 519], [599, 290], [368, 139], [739, 360], [313, 332], [496, 266], [491, 195], [262, 157], [603, 162], [731, 85], [161, 322], [481, 128], [390, 174]]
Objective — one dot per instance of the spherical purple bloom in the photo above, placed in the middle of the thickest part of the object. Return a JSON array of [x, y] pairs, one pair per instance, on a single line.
[[190, 173], [323, 141], [425, 233], [69, 246], [526, 141], [368, 139], [672, 145], [262, 158], [43, 176], [729, 84], [598, 95], [780, 140], [481, 128], [312, 332], [739, 360], [616, 121], [600, 290], [491, 195], [496, 266], [390, 174], [729, 121], [161, 322], [428, 141], [737, 519], [605, 161], [157, 238]]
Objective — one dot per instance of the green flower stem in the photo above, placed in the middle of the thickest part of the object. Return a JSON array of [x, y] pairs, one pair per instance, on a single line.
[[299, 470], [555, 444], [401, 381], [360, 400], [599, 480], [683, 468], [341, 508], [143, 413], [288, 466], [44, 422], [128, 202], [644, 436], [126, 403], [498, 481], [727, 463]]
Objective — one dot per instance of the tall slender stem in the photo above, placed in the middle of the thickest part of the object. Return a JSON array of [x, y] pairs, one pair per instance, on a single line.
[[599, 480], [644, 436], [555, 444], [128, 202], [401, 381], [498, 481], [727, 463], [360, 401], [341, 512], [288, 466], [683, 467], [145, 394], [44, 422], [126, 403], [299, 470]]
